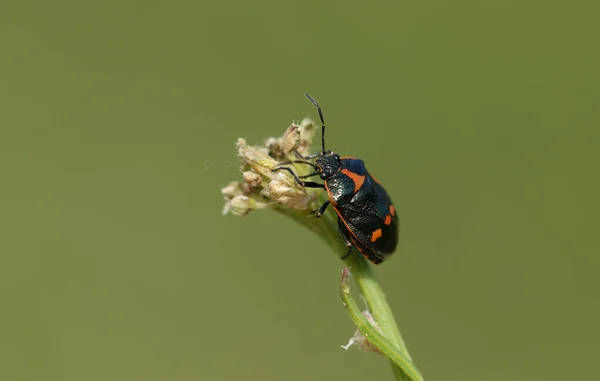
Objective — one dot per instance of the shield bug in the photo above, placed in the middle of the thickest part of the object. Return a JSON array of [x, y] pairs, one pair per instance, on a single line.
[[367, 218]]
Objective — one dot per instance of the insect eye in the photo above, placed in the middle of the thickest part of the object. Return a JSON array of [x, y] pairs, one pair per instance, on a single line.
[[323, 175]]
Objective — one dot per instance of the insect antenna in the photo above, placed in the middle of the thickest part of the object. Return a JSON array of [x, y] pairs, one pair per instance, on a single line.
[[322, 119]]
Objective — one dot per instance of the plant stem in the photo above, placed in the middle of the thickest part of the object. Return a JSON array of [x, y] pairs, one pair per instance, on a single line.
[[378, 306], [402, 365], [326, 227]]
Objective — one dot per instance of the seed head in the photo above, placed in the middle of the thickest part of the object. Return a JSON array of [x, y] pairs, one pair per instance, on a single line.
[[263, 185]]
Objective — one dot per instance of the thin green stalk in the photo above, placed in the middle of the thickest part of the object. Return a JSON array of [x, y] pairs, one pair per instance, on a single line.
[[402, 364], [326, 228]]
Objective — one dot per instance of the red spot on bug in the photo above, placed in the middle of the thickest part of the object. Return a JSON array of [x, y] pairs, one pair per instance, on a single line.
[[392, 210], [376, 235], [388, 220], [358, 179]]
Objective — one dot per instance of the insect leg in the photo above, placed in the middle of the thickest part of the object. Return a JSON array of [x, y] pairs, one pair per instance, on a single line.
[[308, 184], [316, 172], [311, 175], [346, 237], [300, 162], [321, 210]]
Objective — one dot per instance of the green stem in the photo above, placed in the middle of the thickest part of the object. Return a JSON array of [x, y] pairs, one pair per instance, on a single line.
[[326, 227], [403, 367]]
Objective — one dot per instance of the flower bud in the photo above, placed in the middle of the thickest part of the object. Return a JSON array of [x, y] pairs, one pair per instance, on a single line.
[[242, 205], [280, 148], [252, 179], [255, 158], [307, 131], [291, 139], [231, 190]]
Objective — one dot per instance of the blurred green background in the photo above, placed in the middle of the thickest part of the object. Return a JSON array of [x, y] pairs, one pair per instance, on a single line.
[[117, 128]]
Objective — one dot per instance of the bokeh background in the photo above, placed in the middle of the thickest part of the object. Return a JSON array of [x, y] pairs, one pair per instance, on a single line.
[[117, 128]]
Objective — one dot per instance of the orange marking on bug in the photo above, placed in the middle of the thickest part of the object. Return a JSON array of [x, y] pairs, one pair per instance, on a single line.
[[388, 220], [376, 235], [361, 249], [358, 179], [392, 210]]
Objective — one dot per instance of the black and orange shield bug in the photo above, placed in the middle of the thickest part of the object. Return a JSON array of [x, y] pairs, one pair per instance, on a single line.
[[366, 215]]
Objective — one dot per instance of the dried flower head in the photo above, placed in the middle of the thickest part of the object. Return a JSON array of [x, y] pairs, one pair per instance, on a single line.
[[261, 186]]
